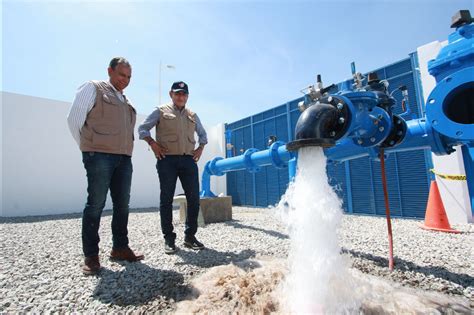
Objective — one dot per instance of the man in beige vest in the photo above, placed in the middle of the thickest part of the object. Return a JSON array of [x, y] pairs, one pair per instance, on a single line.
[[176, 152], [101, 121]]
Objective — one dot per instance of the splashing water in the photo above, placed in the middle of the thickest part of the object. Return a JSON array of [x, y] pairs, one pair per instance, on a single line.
[[319, 281], [316, 279]]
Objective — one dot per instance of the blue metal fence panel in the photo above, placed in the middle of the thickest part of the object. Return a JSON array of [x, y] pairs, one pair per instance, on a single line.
[[414, 182], [357, 182], [337, 179], [392, 187], [363, 199]]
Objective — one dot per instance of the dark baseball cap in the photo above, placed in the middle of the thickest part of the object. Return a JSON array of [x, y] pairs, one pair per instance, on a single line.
[[180, 86]]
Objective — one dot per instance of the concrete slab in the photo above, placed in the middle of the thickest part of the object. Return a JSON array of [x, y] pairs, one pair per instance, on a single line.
[[218, 209]]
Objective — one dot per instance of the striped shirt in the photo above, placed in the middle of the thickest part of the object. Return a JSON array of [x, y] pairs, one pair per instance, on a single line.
[[82, 105], [154, 118]]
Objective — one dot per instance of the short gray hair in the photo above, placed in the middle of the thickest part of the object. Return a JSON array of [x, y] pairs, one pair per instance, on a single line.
[[118, 61]]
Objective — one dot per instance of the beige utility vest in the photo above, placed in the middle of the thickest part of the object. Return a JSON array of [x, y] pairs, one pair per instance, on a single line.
[[110, 123], [175, 130]]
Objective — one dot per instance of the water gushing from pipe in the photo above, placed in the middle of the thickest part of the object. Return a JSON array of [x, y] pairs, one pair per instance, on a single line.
[[319, 280]]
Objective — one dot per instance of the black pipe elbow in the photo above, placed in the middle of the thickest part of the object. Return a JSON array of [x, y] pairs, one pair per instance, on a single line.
[[319, 125]]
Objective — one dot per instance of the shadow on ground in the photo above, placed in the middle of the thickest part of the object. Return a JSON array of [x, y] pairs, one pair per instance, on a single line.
[[138, 284], [461, 279], [273, 233]]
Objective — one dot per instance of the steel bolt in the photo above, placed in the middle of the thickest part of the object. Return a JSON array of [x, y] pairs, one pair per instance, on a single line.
[[330, 99], [340, 106], [380, 116], [399, 133], [399, 122], [359, 141], [332, 133], [341, 120], [372, 139], [381, 129], [392, 142]]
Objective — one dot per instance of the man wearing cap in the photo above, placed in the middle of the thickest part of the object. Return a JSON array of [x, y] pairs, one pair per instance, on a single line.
[[101, 121], [175, 149]]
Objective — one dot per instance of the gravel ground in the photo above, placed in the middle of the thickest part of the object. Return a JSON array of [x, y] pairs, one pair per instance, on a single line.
[[41, 258]]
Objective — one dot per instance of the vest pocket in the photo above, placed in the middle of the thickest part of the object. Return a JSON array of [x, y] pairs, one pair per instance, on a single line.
[[170, 142], [105, 136], [111, 107], [169, 116]]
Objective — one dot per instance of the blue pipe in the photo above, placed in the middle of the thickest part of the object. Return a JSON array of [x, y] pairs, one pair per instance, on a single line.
[[419, 135], [251, 160], [228, 143]]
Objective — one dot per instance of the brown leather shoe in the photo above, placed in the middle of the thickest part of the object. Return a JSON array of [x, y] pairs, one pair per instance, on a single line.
[[125, 254], [91, 265]]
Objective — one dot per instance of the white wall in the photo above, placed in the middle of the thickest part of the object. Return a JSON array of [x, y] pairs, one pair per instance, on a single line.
[[42, 170], [455, 194], [2, 151]]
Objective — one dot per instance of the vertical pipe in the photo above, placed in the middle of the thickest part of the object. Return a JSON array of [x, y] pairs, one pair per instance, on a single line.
[[228, 142], [387, 211], [417, 80]]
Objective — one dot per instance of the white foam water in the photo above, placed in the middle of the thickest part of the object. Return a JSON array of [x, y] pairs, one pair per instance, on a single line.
[[319, 281]]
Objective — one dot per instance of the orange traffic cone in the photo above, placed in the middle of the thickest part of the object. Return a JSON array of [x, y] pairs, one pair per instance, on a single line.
[[435, 217]]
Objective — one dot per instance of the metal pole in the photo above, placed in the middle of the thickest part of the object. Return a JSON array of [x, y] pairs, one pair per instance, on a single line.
[[387, 211]]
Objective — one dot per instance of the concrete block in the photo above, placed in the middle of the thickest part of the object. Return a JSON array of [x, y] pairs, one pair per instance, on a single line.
[[183, 208], [218, 209]]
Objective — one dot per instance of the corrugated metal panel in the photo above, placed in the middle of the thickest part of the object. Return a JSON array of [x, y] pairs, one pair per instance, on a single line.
[[363, 199], [397, 68], [337, 179], [283, 180], [392, 187], [248, 178], [261, 188], [414, 184]]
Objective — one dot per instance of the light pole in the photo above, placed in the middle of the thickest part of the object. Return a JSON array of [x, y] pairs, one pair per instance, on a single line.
[[159, 80]]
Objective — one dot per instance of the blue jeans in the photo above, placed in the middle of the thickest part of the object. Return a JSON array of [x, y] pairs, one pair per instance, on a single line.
[[106, 171], [169, 170]]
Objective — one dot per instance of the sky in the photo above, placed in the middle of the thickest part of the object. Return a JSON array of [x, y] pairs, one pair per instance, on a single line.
[[239, 58]]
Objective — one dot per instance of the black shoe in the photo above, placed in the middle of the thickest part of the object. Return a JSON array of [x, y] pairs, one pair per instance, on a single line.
[[193, 243], [170, 247]]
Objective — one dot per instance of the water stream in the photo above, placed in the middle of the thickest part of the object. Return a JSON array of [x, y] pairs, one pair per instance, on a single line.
[[319, 280]]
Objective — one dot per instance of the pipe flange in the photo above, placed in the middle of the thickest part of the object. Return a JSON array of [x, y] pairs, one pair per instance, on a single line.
[[449, 107], [248, 160], [343, 113], [212, 167], [276, 160], [379, 130], [297, 144], [397, 134]]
